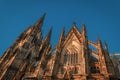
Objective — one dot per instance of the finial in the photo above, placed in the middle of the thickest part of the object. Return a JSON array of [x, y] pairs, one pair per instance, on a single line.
[[99, 41], [83, 28]]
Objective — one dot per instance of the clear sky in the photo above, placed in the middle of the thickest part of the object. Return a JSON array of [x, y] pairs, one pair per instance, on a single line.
[[102, 18]]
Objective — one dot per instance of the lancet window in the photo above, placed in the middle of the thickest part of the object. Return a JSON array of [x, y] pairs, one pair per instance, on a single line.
[[75, 58], [71, 59], [65, 58]]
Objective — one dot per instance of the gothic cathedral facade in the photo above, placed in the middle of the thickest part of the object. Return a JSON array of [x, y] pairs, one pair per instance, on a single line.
[[31, 57]]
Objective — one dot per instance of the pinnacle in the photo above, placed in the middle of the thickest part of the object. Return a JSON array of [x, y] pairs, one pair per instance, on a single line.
[[39, 23], [83, 28], [48, 36]]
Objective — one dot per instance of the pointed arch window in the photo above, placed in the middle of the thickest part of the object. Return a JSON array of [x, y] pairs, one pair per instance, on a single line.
[[65, 58], [76, 57], [71, 59], [68, 59]]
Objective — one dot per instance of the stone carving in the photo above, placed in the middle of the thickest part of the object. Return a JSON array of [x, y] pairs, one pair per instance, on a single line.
[[31, 57]]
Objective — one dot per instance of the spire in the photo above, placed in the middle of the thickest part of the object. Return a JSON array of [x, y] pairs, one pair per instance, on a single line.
[[48, 36], [62, 36], [37, 28], [83, 29], [99, 41], [39, 23], [105, 45]]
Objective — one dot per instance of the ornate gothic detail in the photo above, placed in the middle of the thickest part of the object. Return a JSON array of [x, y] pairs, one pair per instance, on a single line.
[[31, 57]]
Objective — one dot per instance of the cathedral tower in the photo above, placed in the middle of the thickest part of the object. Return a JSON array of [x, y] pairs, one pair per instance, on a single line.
[[31, 57]]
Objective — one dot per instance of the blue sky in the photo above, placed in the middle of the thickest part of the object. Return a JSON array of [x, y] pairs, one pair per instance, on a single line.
[[102, 18]]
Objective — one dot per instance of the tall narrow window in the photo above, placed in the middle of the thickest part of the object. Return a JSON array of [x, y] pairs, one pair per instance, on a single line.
[[76, 58], [65, 58], [68, 59], [71, 59]]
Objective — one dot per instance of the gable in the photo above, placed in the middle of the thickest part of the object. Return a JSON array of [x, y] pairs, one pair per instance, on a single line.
[[73, 34], [73, 44]]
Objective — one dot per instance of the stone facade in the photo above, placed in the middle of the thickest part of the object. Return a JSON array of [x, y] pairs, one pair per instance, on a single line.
[[31, 57], [115, 57]]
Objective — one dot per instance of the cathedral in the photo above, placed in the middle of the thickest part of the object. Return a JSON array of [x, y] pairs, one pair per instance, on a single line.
[[31, 57]]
